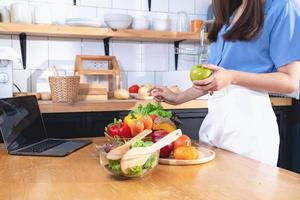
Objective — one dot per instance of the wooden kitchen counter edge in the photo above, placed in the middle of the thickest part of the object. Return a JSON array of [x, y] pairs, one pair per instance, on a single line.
[[124, 105], [79, 176]]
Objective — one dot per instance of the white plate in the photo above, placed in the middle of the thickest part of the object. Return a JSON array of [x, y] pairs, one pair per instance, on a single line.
[[83, 22], [206, 155]]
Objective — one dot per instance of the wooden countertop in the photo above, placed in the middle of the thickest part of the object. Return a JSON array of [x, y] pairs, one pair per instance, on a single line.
[[122, 105], [79, 176]]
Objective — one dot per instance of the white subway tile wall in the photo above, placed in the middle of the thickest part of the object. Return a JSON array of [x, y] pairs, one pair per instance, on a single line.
[[129, 55], [92, 47], [140, 62], [22, 78], [141, 78], [179, 5], [62, 52], [96, 3], [155, 57], [5, 41], [38, 53]]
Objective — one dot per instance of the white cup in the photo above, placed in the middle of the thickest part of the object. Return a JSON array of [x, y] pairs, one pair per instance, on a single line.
[[5, 15], [21, 13]]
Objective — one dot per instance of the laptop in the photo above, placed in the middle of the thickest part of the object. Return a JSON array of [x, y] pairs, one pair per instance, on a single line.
[[24, 133]]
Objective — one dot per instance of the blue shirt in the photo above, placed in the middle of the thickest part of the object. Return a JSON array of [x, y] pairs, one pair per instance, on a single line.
[[277, 45]]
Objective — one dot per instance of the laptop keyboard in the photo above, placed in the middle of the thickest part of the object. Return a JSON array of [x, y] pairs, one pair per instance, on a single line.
[[43, 146]]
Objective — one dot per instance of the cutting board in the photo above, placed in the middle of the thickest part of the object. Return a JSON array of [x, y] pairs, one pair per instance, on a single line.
[[92, 89], [92, 97], [205, 155], [136, 96]]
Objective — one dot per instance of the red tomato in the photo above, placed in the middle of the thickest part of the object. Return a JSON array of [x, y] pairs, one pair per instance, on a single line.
[[183, 140], [134, 89]]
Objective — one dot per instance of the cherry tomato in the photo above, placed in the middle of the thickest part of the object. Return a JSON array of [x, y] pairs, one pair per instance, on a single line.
[[134, 89]]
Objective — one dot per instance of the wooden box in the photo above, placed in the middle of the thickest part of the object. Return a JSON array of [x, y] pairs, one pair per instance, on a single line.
[[112, 71]]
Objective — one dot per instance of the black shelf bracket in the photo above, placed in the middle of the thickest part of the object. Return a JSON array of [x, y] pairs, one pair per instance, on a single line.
[[23, 39], [176, 46], [106, 45], [149, 5], [74, 2]]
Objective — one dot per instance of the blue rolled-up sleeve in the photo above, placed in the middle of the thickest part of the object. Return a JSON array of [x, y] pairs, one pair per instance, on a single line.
[[285, 36]]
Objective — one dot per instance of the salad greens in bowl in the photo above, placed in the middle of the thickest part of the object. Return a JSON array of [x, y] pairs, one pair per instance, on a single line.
[[114, 166]]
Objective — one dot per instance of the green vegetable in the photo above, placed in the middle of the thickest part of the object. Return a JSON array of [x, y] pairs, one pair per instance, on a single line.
[[148, 143], [151, 162], [138, 143], [151, 109], [136, 171], [114, 166]]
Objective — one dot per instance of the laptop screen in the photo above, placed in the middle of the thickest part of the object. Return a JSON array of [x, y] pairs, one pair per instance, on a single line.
[[21, 123]]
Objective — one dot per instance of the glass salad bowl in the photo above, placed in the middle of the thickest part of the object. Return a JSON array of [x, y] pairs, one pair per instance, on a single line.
[[114, 168]]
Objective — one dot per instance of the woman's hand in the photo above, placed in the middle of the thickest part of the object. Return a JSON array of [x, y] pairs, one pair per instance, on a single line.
[[163, 94], [217, 81]]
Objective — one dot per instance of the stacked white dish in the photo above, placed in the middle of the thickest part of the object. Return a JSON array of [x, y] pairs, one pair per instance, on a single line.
[[83, 22], [117, 21]]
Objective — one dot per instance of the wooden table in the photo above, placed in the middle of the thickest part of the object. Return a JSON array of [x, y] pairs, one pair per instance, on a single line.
[[79, 176]]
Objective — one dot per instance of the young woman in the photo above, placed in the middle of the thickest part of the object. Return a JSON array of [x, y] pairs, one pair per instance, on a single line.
[[255, 49]]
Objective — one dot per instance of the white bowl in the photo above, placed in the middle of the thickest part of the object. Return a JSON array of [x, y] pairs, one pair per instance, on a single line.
[[117, 21]]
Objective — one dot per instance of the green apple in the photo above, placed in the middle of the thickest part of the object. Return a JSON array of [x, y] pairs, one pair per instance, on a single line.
[[199, 72]]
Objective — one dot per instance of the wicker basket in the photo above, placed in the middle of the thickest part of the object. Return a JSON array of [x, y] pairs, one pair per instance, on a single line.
[[64, 89]]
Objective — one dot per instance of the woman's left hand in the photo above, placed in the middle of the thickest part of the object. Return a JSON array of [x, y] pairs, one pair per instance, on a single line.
[[217, 81]]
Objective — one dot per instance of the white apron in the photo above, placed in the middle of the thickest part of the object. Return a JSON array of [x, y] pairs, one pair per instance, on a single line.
[[242, 121]]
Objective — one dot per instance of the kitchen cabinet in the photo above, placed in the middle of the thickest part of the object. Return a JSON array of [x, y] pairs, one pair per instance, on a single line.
[[295, 135], [64, 126], [284, 119]]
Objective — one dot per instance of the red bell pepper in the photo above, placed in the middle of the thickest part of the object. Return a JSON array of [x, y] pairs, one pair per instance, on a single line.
[[118, 129]]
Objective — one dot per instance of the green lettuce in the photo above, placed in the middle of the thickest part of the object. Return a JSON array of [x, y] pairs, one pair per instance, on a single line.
[[136, 171], [151, 162], [114, 166], [151, 109]]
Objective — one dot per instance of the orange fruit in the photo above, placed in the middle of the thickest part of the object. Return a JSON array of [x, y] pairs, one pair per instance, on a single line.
[[186, 153]]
